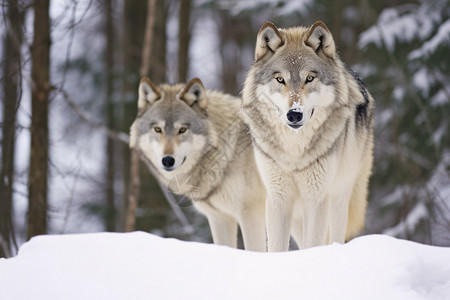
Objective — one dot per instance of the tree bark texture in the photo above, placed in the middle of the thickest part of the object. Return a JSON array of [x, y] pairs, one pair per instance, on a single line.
[[184, 36], [130, 218], [40, 75], [231, 49], [110, 213], [133, 35], [11, 99], [158, 67]]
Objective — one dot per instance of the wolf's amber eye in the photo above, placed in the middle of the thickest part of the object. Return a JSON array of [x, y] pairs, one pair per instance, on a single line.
[[280, 79], [309, 78], [157, 129], [182, 130]]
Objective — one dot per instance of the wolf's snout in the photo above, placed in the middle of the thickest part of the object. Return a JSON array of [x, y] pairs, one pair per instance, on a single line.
[[294, 116], [168, 162]]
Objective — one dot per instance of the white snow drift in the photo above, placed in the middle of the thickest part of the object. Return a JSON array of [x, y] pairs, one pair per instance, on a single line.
[[143, 266]]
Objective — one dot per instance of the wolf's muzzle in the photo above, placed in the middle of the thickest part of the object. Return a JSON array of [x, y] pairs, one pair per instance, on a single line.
[[295, 117], [168, 162]]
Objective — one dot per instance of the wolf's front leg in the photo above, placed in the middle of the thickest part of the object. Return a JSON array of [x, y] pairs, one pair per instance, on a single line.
[[253, 227], [278, 203], [339, 207], [223, 229], [315, 182], [316, 222], [278, 222]]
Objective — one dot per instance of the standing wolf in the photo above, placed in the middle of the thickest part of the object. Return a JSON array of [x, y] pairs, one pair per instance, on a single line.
[[193, 140], [311, 119]]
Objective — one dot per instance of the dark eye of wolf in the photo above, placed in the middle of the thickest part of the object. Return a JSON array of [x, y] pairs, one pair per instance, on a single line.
[[280, 79], [157, 129], [182, 130], [309, 78]]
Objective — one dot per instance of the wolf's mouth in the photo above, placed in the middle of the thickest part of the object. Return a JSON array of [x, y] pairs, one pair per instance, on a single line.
[[295, 126]]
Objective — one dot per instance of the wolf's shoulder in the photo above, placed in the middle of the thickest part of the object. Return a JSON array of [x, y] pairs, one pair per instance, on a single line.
[[362, 99], [222, 103]]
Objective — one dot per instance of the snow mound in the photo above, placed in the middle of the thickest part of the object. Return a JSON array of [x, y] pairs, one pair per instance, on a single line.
[[143, 266]]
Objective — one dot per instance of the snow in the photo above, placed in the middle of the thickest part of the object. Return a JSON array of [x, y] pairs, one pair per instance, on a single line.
[[439, 185], [442, 37], [440, 132], [204, 51], [296, 106], [417, 214], [398, 93], [294, 6], [403, 24], [439, 99], [143, 266], [279, 8], [421, 80], [390, 26]]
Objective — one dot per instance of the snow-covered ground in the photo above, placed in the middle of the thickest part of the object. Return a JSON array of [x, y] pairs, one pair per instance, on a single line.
[[143, 266]]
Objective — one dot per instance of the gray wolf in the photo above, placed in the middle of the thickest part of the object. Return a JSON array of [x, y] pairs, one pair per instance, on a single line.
[[194, 137], [311, 120]]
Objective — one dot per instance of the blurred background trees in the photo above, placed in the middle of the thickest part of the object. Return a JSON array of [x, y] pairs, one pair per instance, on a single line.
[[399, 47]]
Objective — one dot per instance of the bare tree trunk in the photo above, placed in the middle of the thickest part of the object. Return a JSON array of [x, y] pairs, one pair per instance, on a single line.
[[232, 63], [158, 67], [130, 218], [110, 214], [130, 215], [40, 75], [133, 34], [129, 66], [148, 38], [184, 36], [11, 86]]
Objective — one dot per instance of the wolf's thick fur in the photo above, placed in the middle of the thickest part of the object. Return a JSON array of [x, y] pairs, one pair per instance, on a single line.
[[311, 119], [194, 141]]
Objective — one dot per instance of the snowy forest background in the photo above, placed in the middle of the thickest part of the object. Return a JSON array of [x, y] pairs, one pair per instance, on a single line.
[[400, 48]]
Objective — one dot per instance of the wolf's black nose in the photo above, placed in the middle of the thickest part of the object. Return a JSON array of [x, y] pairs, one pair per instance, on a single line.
[[294, 116], [168, 161]]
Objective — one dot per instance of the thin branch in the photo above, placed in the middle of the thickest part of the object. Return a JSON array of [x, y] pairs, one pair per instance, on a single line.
[[72, 192], [119, 136], [441, 81], [187, 227], [69, 46]]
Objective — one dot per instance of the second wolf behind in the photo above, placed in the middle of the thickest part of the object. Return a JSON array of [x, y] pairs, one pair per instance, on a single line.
[[194, 141]]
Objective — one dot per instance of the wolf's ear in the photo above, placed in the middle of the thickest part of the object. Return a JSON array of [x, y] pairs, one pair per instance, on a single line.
[[194, 91], [320, 39], [148, 93], [269, 39]]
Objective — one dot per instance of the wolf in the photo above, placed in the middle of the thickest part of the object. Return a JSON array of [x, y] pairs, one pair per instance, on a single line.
[[196, 144], [311, 120]]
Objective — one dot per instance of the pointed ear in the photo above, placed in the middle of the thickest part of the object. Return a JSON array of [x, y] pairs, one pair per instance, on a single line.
[[269, 39], [148, 93], [194, 91], [320, 39]]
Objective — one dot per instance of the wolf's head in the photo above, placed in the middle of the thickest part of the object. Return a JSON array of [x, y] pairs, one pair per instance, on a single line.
[[171, 126], [294, 70]]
